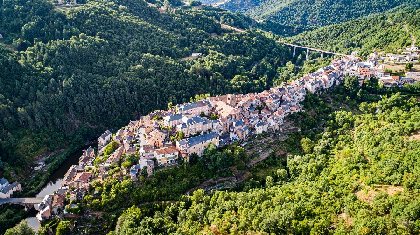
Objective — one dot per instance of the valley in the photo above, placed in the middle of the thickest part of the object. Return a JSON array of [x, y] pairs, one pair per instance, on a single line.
[[272, 117], [147, 141]]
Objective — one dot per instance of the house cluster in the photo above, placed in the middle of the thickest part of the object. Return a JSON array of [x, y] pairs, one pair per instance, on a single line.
[[373, 67], [74, 185], [165, 137], [397, 81], [409, 55], [52, 205], [66, 2], [7, 189]]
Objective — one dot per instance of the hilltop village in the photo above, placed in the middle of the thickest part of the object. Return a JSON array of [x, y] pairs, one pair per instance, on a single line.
[[165, 137]]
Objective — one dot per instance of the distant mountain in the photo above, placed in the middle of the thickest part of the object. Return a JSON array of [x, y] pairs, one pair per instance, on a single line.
[[308, 14], [387, 31]]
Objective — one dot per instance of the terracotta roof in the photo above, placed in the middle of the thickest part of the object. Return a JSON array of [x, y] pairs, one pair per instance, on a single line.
[[58, 200], [166, 150], [83, 177]]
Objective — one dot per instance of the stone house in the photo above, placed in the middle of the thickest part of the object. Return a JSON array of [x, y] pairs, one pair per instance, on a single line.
[[115, 156], [166, 156], [104, 139], [197, 144], [172, 120], [87, 157], [194, 125], [196, 108], [261, 127], [156, 138]]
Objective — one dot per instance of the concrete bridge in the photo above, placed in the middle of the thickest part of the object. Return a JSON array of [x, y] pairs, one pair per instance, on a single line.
[[229, 27], [28, 202], [311, 49]]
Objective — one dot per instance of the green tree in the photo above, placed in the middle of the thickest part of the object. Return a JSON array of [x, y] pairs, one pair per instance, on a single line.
[[281, 174], [306, 145], [408, 66], [269, 181], [129, 160], [64, 228], [110, 148], [170, 105], [351, 84], [129, 220], [143, 172], [20, 229]]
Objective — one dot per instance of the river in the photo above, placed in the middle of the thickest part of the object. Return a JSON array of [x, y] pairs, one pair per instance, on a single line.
[[54, 183]]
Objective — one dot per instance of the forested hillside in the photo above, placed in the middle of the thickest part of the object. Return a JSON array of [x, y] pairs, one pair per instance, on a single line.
[[68, 73], [389, 31], [292, 16], [358, 176], [351, 168]]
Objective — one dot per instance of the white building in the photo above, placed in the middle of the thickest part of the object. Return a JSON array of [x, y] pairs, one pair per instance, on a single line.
[[149, 164], [413, 75], [104, 139], [7, 189]]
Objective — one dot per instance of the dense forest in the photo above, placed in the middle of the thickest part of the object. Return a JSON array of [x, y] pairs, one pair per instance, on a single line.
[[68, 73], [353, 168], [388, 31], [300, 15]]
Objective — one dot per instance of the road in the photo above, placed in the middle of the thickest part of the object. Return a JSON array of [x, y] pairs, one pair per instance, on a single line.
[[21, 200]]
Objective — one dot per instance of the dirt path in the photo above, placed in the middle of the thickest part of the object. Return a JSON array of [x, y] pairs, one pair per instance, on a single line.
[[415, 136], [228, 27]]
